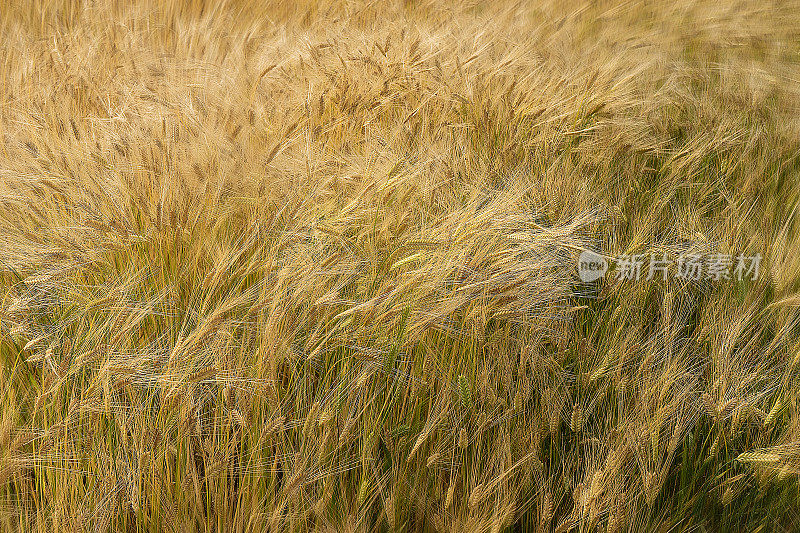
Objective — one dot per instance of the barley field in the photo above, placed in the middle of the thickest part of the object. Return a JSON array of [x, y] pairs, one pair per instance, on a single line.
[[316, 266]]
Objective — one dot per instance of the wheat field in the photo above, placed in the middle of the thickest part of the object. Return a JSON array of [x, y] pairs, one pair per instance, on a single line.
[[314, 266]]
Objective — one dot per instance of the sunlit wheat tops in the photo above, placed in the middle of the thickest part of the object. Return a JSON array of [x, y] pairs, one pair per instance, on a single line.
[[312, 266]]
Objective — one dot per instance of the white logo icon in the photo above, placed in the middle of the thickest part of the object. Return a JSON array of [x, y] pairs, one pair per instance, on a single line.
[[591, 266]]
